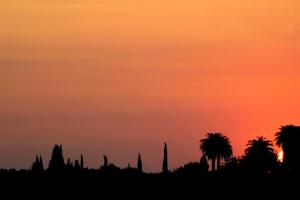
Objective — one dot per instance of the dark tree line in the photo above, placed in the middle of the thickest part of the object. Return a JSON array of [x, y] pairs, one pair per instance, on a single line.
[[260, 157]]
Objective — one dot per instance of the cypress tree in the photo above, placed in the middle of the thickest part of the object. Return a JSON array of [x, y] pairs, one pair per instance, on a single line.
[[37, 166], [41, 164], [57, 162], [81, 162], [105, 160], [139, 163], [165, 161]]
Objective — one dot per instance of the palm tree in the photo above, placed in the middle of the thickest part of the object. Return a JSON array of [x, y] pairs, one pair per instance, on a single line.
[[288, 139], [259, 145], [260, 154], [216, 146]]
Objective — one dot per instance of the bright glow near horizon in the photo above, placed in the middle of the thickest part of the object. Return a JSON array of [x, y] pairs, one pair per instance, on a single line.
[[280, 156]]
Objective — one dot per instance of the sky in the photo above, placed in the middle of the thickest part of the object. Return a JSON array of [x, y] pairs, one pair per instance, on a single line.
[[118, 77]]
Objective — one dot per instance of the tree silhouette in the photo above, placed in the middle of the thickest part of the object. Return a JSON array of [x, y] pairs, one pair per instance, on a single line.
[[38, 165], [81, 162], [204, 164], [76, 165], [165, 160], [288, 139], [109, 169], [232, 164], [57, 162], [259, 155], [69, 165], [35, 164], [139, 163], [41, 163], [216, 146], [191, 169], [105, 161]]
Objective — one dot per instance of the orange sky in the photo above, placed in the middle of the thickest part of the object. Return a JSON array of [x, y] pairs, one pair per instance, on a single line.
[[119, 77]]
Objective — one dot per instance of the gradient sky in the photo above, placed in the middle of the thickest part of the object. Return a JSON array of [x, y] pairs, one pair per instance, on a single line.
[[119, 77]]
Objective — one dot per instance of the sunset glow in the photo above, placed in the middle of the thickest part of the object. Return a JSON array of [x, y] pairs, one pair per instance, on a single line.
[[120, 77], [280, 156]]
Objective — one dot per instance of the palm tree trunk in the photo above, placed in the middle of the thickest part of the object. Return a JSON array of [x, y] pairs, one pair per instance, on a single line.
[[213, 164], [218, 162]]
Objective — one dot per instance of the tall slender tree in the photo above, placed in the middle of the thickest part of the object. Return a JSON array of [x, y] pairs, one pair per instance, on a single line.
[[41, 163], [139, 163], [105, 161], [81, 162], [165, 167]]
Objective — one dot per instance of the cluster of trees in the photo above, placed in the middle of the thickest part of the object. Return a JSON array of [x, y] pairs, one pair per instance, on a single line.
[[259, 157], [57, 164]]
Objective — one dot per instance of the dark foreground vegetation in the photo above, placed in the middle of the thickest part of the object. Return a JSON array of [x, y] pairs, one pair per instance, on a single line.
[[258, 173]]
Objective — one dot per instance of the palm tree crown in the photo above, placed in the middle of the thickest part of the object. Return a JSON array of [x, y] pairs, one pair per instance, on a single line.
[[216, 146], [260, 155], [260, 145]]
